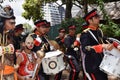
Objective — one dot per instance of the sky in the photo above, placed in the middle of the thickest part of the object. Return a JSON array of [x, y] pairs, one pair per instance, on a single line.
[[17, 7]]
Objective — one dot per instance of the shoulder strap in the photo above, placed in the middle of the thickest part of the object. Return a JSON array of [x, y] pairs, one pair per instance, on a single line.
[[93, 36], [101, 32], [86, 30]]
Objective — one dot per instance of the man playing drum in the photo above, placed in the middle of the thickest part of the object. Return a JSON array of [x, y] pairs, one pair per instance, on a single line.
[[73, 56], [39, 35], [60, 40], [93, 43]]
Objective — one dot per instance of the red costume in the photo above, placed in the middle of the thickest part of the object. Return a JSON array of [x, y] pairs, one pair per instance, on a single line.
[[27, 65]]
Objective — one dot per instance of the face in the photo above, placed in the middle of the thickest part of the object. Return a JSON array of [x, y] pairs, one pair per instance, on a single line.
[[29, 43], [10, 24], [47, 30], [72, 31], [61, 34], [43, 29], [18, 33], [95, 21]]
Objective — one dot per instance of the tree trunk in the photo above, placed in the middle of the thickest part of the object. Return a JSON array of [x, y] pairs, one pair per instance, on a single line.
[[85, 6], [69, 5]]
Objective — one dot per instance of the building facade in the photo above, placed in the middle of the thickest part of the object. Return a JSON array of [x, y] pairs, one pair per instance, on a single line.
[[53, 13]]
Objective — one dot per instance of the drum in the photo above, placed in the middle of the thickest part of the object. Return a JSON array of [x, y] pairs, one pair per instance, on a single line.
[[53, 62], [111, 62]]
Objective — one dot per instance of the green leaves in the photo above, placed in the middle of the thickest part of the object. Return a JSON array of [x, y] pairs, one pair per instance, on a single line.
[[33, 9], [73, 21]]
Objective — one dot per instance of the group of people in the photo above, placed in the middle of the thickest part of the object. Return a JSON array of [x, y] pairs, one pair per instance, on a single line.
[[20, 58], [87, 46]]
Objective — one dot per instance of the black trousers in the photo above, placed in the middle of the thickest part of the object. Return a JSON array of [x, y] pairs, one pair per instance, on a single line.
[[99, 75], [42, 75], [58, 76], [75, 68]]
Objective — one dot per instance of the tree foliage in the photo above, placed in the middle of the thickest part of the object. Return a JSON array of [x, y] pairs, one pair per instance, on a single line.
[[73, 21], [33, 9], [110, 29]]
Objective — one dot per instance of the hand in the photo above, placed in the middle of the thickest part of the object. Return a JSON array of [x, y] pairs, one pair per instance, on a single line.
[[40, 54], [38, 61], [108, 46], [118, 47]]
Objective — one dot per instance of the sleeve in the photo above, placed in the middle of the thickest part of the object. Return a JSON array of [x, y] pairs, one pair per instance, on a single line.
[[115, 44], [67, 42], [98, 48], [86, 44], [58, 41]]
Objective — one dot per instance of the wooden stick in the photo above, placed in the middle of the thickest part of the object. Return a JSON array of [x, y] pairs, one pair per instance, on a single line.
[[2, 61], [2, 64], [107, 41]]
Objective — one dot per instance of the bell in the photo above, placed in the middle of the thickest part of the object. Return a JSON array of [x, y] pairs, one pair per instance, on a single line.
[[40, 54]]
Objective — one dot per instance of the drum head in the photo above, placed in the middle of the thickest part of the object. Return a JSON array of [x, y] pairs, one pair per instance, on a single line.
[[53, 53]]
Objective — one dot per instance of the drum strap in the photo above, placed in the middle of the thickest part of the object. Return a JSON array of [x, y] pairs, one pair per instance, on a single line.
[[93, 36]]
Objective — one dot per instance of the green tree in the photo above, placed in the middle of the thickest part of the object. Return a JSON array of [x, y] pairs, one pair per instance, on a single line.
[[110, 29], [73, 21], [32, 9]]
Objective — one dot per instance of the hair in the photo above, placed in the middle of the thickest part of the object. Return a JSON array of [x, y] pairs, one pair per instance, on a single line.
[[2, 22], [5, 13], [24, 37], [39, 21], [61, 29]]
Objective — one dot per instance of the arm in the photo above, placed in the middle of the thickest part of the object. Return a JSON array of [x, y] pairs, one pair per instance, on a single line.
[[18, 61], [67, 42], [92, 47], [85, 43]]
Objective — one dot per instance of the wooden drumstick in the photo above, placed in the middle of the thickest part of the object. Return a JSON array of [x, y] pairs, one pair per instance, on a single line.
[[2, 61], [110, 47], [108, 42]]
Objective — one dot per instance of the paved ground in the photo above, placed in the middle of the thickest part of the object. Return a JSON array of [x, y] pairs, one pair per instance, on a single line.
[[65, 75]]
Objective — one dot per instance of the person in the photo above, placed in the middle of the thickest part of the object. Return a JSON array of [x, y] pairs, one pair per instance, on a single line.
[[77, 48], [7, 23], [93, 42], [60, 40], [73, 57], [39, 35], [26, 60], [16, 34]]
